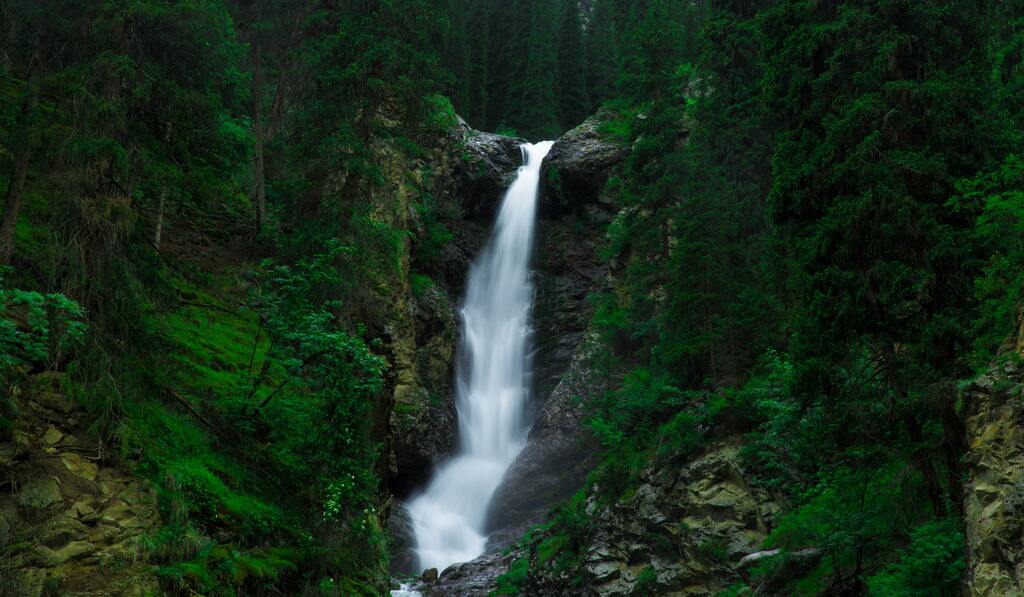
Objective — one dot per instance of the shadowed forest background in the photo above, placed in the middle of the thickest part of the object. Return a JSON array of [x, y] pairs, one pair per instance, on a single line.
[[218, 215]]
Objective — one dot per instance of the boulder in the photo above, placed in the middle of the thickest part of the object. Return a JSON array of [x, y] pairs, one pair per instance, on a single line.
[[577, 168], [476, 578], [48, 558], [55, 537], [80, 466], [487, 167], [39, 494]]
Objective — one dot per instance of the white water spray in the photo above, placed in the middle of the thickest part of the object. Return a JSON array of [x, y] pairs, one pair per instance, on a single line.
[[491, 381]]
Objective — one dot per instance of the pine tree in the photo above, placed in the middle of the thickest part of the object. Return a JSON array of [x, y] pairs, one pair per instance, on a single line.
[[457, 58], [722, 306], [533, 112], [1007, 21], [602, 53], [478, 26], [510, 30], [573, 101], [877, 126]]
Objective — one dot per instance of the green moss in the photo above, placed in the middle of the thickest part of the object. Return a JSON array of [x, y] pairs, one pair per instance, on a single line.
[[646, 582]]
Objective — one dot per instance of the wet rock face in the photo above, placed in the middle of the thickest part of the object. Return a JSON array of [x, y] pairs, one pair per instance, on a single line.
[[574, 214], [994, 492], [553, 465], [484, 170], [69, 521], [403, 541], [567, 269], [577, 168]]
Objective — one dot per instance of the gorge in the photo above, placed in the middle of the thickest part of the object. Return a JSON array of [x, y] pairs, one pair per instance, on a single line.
[[295, 301]]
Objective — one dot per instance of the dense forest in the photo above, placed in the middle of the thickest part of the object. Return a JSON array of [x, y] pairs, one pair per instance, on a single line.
[[223, 219]]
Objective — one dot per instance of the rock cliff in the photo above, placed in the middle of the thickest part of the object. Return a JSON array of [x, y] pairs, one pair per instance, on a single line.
[[994, 492]]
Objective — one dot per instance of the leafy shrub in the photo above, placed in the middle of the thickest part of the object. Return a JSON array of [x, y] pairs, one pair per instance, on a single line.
[[37, 329], [932, 565], [511, 583]]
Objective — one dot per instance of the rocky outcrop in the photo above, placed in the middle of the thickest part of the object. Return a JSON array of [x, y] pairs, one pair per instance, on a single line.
[[577, 168], [477, 578], [423, 417], [555, 462], [683, 531], [483, 171], [70, 521], [994, 492]]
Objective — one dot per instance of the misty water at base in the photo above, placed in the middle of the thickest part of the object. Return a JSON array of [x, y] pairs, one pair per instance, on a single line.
[[491, 381]]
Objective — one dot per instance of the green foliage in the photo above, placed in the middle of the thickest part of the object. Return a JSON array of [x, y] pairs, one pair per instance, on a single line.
[[819, 231], [573, 100], [420, 285], [879, 257], [998, 199], [557, 547], [602, 52], [932, 564], [511, 582], [646, 582], [217, 567], [37, 329]]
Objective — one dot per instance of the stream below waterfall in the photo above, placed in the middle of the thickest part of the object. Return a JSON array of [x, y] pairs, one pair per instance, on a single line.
[[492, 381]]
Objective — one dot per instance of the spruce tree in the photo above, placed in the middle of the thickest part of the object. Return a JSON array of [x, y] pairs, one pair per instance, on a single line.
[[883, 106], [602, 53], [722, 303], [478, 33], [510, 31], [533, 112], [573, 101]]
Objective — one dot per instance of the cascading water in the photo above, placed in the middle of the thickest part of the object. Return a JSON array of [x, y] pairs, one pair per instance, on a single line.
[[491, 381]]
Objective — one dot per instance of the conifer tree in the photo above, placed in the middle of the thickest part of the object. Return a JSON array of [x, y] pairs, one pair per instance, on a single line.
[[510, 30], [534, 108], [721, 306], [602, 53], [478, 25], [877, 126], [573, 101]]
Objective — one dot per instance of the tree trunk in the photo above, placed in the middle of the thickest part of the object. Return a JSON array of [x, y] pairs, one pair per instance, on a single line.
[[16, 185], [924, 463], [259, 191], [158, 231], [12, 202]]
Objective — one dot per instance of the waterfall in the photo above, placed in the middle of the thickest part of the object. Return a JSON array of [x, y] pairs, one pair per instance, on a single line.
[[491, 381]]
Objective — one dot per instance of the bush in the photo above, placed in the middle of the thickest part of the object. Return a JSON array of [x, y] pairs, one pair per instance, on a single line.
[[932, 565], [37, 329]]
